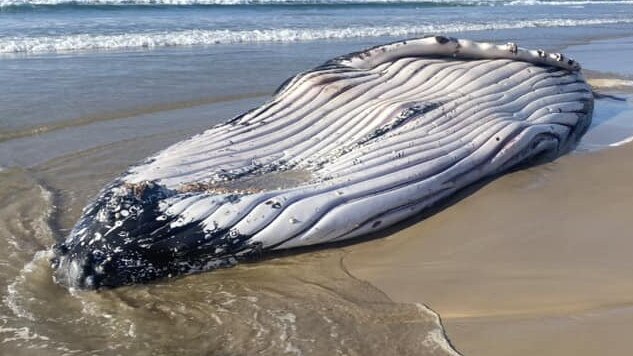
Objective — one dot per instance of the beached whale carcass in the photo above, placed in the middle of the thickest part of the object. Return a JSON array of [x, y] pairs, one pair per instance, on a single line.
[[350, 147]]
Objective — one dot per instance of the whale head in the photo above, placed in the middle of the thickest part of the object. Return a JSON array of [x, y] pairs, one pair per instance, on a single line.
[[125, 237]]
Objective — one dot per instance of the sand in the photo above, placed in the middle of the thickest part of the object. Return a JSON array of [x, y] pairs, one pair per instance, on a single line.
[[538, 261]]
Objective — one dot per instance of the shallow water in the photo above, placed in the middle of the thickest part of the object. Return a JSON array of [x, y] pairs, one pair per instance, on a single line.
[[278, 306], [612, 125], [617, 52]]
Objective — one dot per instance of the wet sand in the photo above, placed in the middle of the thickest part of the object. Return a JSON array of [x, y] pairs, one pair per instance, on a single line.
[[535, 262]]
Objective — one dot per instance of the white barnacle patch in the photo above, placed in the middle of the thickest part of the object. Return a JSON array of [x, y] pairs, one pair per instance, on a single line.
[[98, 269], [96, 237], [102, 215], [208, 226]]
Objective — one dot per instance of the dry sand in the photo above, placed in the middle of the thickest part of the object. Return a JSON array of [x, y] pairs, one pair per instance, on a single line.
[[536, 262]]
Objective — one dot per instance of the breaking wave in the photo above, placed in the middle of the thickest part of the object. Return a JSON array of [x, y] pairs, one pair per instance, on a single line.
[[147, 40]]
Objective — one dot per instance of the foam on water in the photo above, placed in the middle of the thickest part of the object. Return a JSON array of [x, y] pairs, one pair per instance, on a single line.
[[622, 142], [13, 299], [436, 338], [24, 233], [89, 42]]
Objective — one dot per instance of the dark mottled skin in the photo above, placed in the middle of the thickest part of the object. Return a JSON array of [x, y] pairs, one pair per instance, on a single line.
[[142, 248]]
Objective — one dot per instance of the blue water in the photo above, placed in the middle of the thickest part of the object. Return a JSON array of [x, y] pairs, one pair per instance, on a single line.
[[45, 26]]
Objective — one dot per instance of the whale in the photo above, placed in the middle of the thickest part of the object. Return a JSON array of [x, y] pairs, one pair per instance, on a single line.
[[346, 149]]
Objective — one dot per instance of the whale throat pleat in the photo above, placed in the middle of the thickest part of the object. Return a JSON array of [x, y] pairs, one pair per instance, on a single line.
[[377, 137], [351, 147]]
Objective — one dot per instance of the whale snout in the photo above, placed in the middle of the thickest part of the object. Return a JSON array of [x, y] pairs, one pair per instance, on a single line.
[[94, 268], [105, 249], [76, 271], [125, 237]]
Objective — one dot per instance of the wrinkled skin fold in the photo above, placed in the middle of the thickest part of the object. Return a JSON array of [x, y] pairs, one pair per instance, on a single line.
[[351, 147]]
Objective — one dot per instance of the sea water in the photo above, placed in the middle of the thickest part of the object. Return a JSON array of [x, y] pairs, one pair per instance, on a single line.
[[88, 88], [44, 26]]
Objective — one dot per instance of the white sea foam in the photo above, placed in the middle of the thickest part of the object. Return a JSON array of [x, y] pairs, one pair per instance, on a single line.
[[436, 338], [90, 42], [622, 142], [13, 3], [21, 334]]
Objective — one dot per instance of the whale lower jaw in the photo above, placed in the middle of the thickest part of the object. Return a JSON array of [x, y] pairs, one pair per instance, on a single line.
[[349, 148]]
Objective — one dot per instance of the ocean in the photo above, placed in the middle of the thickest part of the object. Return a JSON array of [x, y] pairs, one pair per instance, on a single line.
[[88, 88], [46, 26]]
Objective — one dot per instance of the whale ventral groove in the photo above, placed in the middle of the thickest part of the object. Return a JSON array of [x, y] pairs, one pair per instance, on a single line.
[[348, 148]]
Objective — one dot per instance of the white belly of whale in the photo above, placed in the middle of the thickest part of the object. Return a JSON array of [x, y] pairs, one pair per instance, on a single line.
[[348, 148]]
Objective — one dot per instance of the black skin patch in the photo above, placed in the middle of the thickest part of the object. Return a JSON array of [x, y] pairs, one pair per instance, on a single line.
[[110, 249], [442, 39]]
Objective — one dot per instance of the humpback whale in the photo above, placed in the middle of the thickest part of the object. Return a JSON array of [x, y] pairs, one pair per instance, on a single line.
[[348, 148]]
